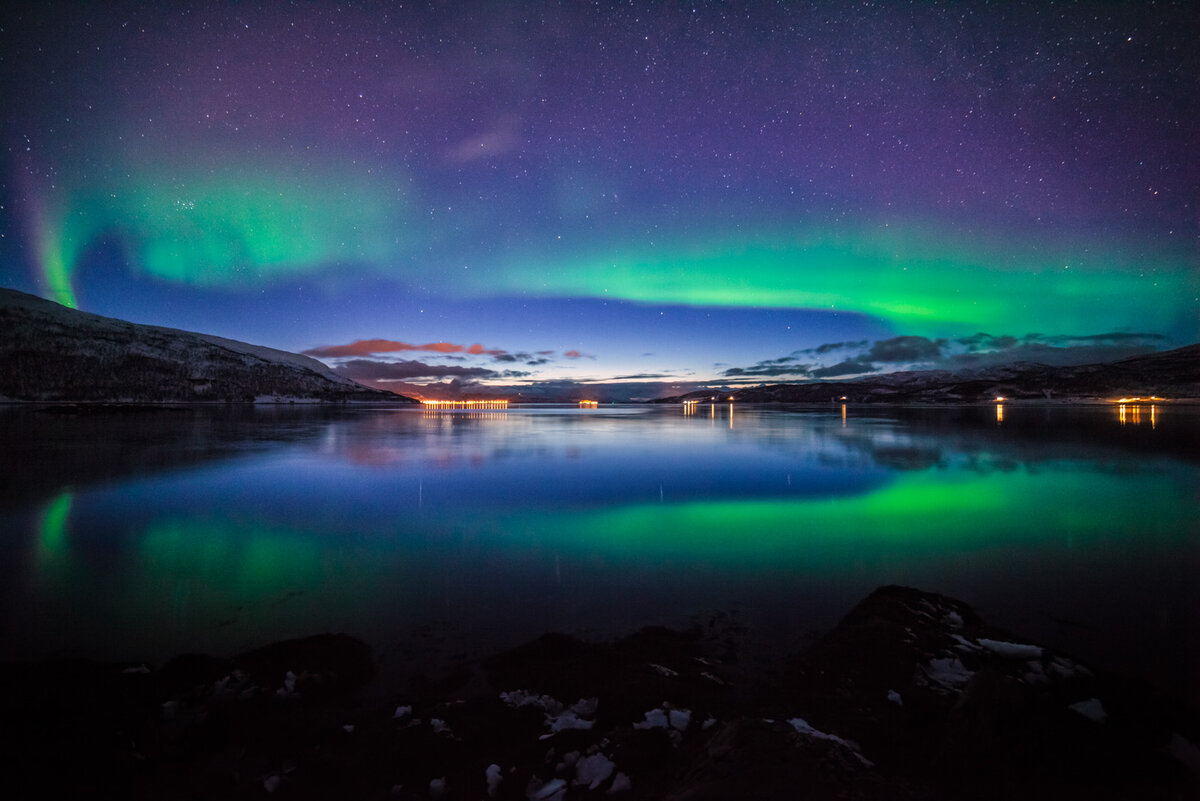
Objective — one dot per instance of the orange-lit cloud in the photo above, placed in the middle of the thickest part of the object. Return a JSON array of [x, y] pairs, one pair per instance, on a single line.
[[373, 347], [367, 347]]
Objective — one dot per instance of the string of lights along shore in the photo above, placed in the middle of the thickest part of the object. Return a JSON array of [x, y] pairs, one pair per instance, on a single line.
[[612, 201]]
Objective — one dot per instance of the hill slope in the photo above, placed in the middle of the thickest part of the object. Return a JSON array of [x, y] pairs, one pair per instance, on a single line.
[[51, 353]]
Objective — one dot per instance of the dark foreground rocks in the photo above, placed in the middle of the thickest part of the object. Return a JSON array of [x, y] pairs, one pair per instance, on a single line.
[[911, 696]]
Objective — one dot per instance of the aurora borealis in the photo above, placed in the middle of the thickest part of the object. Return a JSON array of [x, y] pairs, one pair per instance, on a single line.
[[659, 197]]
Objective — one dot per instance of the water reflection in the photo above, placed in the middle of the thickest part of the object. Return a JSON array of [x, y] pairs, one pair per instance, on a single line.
[[218, 530], [1131, 414], [51, 552]]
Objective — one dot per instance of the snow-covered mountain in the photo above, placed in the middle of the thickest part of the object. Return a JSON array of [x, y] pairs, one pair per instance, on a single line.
[[51, 353]]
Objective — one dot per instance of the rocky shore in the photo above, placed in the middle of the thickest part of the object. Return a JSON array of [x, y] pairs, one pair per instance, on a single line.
[[911, 696]]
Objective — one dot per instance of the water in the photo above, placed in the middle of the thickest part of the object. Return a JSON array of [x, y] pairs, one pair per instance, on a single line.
[[142, 534]]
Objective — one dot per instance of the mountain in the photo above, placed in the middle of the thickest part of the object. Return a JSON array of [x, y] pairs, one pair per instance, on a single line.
[[51, 353], [1169, 374]]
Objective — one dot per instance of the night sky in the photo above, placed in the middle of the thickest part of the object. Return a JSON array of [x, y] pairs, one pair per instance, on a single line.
[[529, 196]]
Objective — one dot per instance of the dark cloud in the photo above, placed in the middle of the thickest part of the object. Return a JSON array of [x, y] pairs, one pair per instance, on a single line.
[[978, 350], [1114, 338], [850, 367], [986, 350], [904, 349], [453, 389], [831, 346], [987, 342], [640, 377], [771, 367], [369, 371]]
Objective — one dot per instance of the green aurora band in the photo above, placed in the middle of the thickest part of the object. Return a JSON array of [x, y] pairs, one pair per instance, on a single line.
[[233, 227], [919, 279], [242, 226]]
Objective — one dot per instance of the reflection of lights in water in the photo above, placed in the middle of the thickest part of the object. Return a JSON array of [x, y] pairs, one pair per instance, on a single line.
[[448, 416], [731, 412], [999, 412], [1131, 413], [843, 415]]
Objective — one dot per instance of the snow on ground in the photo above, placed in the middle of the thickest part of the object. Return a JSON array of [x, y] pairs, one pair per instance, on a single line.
[[1091, 709], [801, 725], [558, 717], [594, 770], [1013, 650], [949, 673]]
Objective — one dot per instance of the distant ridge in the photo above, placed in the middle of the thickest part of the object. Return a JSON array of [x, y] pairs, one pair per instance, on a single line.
[[50, 353], [1169, 374]]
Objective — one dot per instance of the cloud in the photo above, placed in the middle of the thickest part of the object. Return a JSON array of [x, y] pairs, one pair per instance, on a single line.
[[987, 342], [849, 367], [375, 347], [477, 350], [639, 377], [371, 371], [503, 137], [368, 347], [769, 367], [975, 351], [904, 349], [820, 350]]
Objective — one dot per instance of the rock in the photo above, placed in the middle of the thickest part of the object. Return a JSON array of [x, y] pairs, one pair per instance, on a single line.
[[912, 696]]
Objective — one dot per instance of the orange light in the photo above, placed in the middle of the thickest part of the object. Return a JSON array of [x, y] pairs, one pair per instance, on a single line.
[[487, 403]]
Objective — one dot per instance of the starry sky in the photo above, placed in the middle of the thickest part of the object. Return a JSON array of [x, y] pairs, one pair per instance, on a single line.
[[612, 200]]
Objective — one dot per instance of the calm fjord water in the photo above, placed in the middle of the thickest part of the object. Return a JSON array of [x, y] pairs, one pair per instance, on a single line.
[[145, 534]]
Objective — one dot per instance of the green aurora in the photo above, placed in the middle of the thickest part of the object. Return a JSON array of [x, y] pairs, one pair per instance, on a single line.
[[919, 279], [242, 226]]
